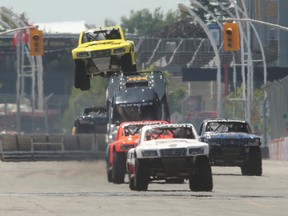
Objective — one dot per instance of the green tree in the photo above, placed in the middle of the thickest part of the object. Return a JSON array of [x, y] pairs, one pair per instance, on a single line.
[[143, 22], [109, 22], [214, 8], [233, 107], [175, 99]]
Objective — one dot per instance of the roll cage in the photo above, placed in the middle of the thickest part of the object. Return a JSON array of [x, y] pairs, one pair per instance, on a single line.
[[105, 34]]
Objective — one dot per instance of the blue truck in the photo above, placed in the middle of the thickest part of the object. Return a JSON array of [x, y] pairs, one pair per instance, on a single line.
[[232, 143]]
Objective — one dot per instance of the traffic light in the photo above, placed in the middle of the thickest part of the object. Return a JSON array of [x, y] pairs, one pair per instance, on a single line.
[[36, 42], [231, 36]]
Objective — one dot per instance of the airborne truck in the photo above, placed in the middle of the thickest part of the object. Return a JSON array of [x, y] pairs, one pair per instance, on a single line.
[[102, 51], [135, 97]]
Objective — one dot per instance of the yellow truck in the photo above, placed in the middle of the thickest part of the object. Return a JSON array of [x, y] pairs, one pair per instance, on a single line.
[[102, 51]]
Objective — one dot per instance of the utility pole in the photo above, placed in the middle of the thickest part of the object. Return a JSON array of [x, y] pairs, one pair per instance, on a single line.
[[216, 52]]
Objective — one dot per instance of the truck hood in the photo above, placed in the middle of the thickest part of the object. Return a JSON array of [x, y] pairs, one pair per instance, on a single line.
[[135, 96], [211, 135], [100, 45], [171, 143], [90, 119], [168, 145], [128, 140]]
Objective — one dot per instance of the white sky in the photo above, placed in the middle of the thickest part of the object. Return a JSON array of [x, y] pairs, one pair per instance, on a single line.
[[90, 11]]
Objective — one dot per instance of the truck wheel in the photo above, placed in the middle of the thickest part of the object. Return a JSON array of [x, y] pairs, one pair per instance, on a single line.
[[82, 81], [74, 130], [131, 183], [254, 165], [202, 180], [127, 64], [118, 170], [141, 178], [109, 174], [245, 169], [108, 170]]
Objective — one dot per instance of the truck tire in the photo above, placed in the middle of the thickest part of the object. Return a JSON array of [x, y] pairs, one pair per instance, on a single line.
[[109, 174], [118, 169], [131, 183], [81, 79], [201, 180], [108, 170], [74, 131], [254, 165], [141, 178]]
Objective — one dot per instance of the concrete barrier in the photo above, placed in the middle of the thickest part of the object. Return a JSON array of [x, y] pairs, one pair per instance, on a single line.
[[52, 147]]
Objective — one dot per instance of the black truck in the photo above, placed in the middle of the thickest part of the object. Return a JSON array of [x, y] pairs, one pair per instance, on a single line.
[[134, 97], [92, 120]]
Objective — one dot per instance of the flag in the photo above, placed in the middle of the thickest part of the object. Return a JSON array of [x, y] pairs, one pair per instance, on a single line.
[[25, 37]]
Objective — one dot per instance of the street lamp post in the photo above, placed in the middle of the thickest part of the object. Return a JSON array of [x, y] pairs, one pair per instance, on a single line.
[[17, 29], [284, 28], [244, 13], [214, 46], [260, 45], [251, 24], [195, 3]]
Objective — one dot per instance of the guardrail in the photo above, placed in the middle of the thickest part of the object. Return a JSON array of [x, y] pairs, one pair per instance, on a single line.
[[52, 147]]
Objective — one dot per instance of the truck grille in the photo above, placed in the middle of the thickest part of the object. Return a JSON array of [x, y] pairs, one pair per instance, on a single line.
[[100, 53], [173, 152], [232, 143]]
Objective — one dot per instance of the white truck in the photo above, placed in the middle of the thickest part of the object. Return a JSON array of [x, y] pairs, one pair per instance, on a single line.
[[170, 152]]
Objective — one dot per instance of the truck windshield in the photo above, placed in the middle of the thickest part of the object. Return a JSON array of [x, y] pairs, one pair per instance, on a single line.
[[228, 127], [169, 133], [105, 34], [145, 111]]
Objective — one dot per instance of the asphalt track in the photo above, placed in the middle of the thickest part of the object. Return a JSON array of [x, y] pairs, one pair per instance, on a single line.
[[80, 188]]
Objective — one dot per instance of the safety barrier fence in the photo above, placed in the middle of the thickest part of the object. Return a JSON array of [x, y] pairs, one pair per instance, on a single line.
[[277, 102], [278, 149], [52, 147]]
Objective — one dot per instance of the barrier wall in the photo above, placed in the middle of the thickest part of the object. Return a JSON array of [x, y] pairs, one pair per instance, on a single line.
[[81, 147], [278, 149], [52, 147]]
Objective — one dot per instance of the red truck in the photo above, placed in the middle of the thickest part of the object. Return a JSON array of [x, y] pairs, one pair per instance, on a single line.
[[116, 154]]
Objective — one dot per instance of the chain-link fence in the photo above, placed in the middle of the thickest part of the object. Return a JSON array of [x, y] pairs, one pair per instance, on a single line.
[[183, 52], [57, 116], [277, 98], [23, 118]]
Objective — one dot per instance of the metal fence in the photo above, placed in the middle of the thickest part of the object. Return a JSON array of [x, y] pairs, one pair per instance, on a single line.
[[32, 147], [184, 52], [23, 118], [277, 100]]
